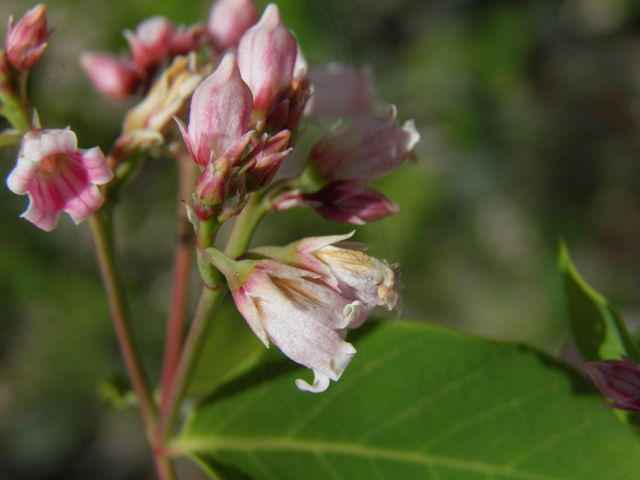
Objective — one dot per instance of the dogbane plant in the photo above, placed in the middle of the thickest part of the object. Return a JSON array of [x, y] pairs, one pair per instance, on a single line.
[[237, 93]]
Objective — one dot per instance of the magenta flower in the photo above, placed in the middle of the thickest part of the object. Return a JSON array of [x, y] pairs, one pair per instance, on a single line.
[[302, 315], [26, 40], [619, 380], [113, 76], [228, 20], [266, 57], [219, 115], [368, 148], [58, 176]]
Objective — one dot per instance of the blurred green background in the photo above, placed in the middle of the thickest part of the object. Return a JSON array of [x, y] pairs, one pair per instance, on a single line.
[[530, 119]]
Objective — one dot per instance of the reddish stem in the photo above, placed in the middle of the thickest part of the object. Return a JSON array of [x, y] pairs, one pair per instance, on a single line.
[[181, 267]]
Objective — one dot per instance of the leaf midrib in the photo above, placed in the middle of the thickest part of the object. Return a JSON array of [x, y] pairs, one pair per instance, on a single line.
[[213, 445]]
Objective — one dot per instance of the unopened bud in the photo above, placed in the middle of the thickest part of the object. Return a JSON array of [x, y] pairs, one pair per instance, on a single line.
[[26, 41], [113, 76], [228, 21], [151, 42], [619, 380], [266, 57]]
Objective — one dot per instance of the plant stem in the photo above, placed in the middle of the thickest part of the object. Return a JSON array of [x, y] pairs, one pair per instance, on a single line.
[[187, 171], [238, 242], [102, 230]]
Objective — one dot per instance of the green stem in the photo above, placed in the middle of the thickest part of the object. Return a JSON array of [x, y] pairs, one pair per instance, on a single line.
[[246, 225], [14, 111], [238, 242], [102, 229]]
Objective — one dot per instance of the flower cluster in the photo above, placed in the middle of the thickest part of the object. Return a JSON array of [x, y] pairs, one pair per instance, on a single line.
[[247, 87]]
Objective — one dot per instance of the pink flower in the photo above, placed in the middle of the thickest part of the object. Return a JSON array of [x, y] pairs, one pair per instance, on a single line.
[[219, 115], [302, 315], [113, 76], [26, 41], [366, 149], [344, 267], [266, 57], [151, 42], [228, 21], [619, 380], [58, 176]]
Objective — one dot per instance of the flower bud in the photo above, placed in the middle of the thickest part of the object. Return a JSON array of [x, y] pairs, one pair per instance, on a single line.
[[266, 57], [228, 20], [212, 186], [263, 162], [350, 202], [151, 42], [114, 77], [220, 113], [619, 380], [26, 41], [366, 149]]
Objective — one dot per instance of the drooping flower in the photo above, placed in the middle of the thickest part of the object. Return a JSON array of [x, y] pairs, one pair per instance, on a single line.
[[219, 115], [343, 266], [228, 20], [296, 310], [26, 40], [267, 57], [368, 148], [619, 380], [58, 177]]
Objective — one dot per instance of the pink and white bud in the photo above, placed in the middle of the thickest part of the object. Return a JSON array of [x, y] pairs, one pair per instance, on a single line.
[[343, 266], [229, 20], [113, 76], [266, 57], [26, 40], [213, 186], [219, 115], [364, 150], [58, 177], [296, 310], [619, 380], [340, 91], [151, 42]]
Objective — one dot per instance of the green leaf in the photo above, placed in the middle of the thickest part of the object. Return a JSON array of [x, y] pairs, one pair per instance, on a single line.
[[597, 327], [218, 363], [417, 402]]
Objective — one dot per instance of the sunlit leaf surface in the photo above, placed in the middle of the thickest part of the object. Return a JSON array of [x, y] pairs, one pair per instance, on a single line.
[[417, 402]]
